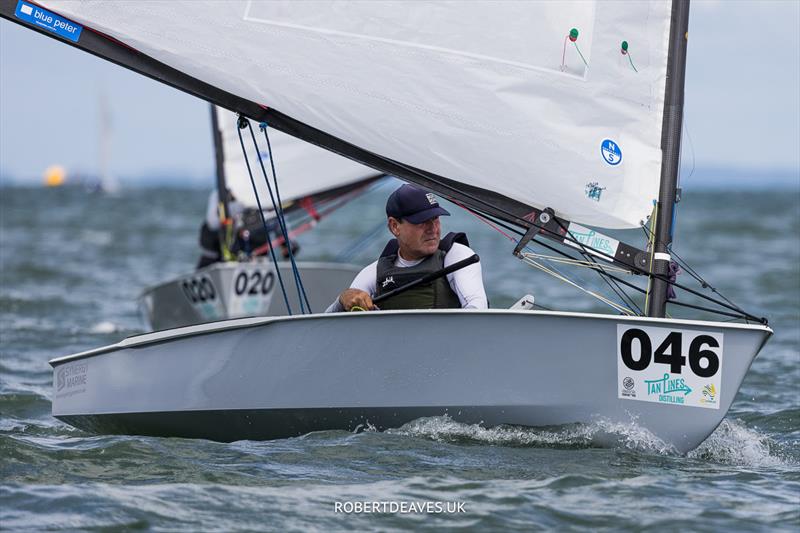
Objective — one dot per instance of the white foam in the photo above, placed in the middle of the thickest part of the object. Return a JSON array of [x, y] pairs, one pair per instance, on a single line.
[[103, 327], [735, 444], [732, 443], [598, 433]]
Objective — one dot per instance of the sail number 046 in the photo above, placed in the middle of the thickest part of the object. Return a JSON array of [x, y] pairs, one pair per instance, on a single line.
[[636, 350]]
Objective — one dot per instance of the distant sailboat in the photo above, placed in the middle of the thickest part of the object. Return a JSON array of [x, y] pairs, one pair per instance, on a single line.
[[108, 182], [243, 282]]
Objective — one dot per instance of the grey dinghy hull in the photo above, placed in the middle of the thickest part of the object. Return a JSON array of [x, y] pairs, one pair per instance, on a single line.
[[265, 378], [240, 289]]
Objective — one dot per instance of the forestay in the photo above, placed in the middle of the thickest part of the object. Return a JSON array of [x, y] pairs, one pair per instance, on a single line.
[[494, 95], [303, 169]]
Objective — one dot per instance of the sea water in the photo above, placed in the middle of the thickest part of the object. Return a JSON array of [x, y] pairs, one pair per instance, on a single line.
[[72, 265]]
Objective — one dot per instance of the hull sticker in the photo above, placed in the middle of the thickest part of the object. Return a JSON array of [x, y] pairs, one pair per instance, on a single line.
[[669, 366]]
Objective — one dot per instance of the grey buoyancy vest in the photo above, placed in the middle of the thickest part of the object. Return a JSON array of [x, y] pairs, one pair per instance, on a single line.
[[434, 295]]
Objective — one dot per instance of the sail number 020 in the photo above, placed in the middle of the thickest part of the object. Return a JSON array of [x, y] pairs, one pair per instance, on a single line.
[[254, 283], [703, 361]]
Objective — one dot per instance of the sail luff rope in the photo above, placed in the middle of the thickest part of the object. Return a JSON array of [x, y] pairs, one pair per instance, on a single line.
[[263, 220]]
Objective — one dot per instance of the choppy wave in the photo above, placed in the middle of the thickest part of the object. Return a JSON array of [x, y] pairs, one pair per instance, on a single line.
[[59, 299], [732, 443]]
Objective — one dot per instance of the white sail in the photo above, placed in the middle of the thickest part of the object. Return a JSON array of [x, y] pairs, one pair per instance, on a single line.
[[302, 168], [491, 94]]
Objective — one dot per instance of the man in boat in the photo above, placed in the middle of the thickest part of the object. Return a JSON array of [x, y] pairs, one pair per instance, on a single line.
[[417, 250], [248, 231]]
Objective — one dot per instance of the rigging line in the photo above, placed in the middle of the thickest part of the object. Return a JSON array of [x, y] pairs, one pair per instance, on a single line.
[[263, 220], [637, 269], [298, 280], [493, 226], [666, 279], [701, 308], [691, 271], [362, 242], [691, 145], [278, 209], [577, 263], [601, 271], [651, 246], [529, 261], [698, 277]]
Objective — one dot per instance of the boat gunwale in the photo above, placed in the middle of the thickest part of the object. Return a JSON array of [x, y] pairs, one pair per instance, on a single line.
[[155, 337]]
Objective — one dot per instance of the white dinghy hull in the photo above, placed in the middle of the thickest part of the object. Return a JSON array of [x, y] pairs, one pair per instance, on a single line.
[[266, 378], [223, 291]]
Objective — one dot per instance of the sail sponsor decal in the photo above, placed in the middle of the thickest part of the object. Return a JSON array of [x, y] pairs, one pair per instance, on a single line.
[[669, 366], [592, 240], [48, 20], [611, 152], [594, 191]]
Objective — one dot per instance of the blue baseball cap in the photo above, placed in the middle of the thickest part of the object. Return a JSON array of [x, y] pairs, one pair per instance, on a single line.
[[414, 205]]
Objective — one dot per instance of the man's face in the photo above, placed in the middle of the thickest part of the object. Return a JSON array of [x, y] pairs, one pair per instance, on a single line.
[[416, 240]]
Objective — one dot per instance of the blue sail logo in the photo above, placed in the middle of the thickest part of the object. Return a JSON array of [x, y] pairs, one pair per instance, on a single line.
[[611, 152]]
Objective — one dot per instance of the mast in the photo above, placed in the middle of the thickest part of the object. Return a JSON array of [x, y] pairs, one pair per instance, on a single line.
[[671, 149], [222, 188]]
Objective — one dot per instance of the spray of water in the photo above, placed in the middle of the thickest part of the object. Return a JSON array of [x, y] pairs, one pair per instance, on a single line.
[[731, 444]]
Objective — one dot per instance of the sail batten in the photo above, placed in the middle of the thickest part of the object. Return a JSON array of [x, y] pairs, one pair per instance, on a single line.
[[503, 100]]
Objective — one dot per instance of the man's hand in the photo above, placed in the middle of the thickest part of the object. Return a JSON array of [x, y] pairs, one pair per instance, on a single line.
[[356, 298]]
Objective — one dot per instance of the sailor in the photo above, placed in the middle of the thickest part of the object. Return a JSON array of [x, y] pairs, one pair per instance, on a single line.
[[249, 232], [417, 250]]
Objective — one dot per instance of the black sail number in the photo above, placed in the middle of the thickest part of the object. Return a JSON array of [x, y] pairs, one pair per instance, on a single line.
[[636, 350], [199, 290], [254, 283], [698, 353], [674, 358], [645, 349]]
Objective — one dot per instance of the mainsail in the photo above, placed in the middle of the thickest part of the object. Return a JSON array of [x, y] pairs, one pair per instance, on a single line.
[[550, 104], [304, 170]]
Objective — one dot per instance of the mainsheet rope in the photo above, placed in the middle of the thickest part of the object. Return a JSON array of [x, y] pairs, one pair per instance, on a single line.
[[301, 291], [261, 211]]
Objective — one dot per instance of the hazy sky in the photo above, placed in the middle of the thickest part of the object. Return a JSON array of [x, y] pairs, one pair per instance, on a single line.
[[742, 100]]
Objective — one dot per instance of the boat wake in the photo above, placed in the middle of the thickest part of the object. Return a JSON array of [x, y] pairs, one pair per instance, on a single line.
[[731, 444]]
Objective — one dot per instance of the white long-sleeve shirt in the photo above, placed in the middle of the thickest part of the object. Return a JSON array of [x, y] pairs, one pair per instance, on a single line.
[[467, 282]]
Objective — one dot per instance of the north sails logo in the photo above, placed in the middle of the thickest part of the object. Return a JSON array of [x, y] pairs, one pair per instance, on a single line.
[[387, 281]]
